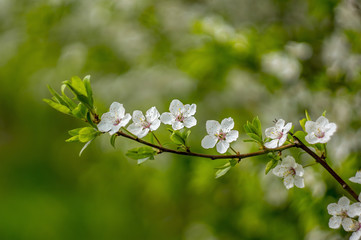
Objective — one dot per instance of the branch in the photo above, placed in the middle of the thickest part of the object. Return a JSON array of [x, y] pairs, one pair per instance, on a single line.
[[213, 157], [324, 164]]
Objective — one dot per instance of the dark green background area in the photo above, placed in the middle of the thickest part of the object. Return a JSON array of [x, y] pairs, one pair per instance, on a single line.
[[145, 53]]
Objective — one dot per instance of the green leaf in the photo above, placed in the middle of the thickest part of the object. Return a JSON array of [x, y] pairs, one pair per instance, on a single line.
[[247, 128], [302, 123], [177, 138], [255, 137], [88, 133], [74, 132], [80, 111], [141, 152], [301, 135], [58, 106], [140, 161], [250, 140], [257, 124], [57, 96], [307, 116], [324, 113], [73, 139], [222, 172], [112, 140], [88, 89], [69, 102], [78, 85], [270, 165], [80, 96], [233, 162]]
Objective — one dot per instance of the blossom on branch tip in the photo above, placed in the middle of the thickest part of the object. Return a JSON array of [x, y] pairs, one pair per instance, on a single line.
[[356, 178], [143, 124], [180, 115], [351, 225], [113, 120], [291, 172], [342, 211], [220, 134], [278, 134], [319, 131]]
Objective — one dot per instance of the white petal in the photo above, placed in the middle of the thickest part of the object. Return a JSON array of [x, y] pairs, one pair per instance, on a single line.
[[282, 140], [209, 141], [152, 114], [289, 161], [288, 181], [104, 126], [177, 125], [310, 126], [324, 139], [356, 235], [227, 124], [322, 121], [344, 202], [167, 118], [189, 122], [125, 120], [356, 178], [334, 209], [299, 182], [312, 139], [117, 109], [176, 107], [114, 129], [212, 127], [190, 110], [271, 144], [138, 116], [359, 197], [279, 170], [143, 133], [135, 128], [222, 146], [354, 210], [232, 136], [279, 124], [272, 133], [349, 225], [299, 170], [155, 125], [287, 128], [335, 222]]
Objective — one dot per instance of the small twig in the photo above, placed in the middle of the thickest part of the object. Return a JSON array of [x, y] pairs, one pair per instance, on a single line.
[[156, 138]]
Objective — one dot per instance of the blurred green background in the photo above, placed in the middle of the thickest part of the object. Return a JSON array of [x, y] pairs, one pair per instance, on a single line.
[[233, 58]]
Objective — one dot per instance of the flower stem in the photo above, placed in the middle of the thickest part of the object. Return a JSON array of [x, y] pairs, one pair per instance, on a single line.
[[156, 138], [233, 150]]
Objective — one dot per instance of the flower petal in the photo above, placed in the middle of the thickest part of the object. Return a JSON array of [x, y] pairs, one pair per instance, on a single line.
[[222, 146], [190, 110], [271, 144], [176, 107], [344, 202], [152, 114], [288, 181], [155, 125], [356, 235], [227, 124], [354, 210], [310, 127], [209, 141], [334, 209], [282, 140], [279, 170], [135, 128], [167, 118], [322, 121], [125, 120], [143, 133], [311, 138], [287, 128], [177, 125], [299, 170], [349, 225], [106, 122], [212, 127], [335, 222], [299, 182], [280, 124], [289, 161], [189, 122], [330, 129], [114, 129], [138, 116], [272, 133], [117, 109], [232, 136]]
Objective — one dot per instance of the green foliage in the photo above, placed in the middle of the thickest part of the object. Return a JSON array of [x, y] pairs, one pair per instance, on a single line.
[[254, 131], [141, 153], [112, 140], [83, 134], [179, 137], [275, 158]]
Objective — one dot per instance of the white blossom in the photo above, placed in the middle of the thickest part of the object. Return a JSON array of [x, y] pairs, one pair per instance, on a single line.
[[291, 172], [319, 131], [342, 211], [143, 124], [351, 225], [356, 178], [220, 134], [113, 120], [180, 115], [278, 134]]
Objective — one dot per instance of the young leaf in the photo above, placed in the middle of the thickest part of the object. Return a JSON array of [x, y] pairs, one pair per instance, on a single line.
[[257, 124], [112, 140], [58, 106], [78, 85], [177, 138], [302, 123], [307, 116], [141, 152], [88, 89], [74, 132], [86, 134], [255, 137], [140, 161], [73, 139], [223, 171], [79, 111], [57, 96], [270, 165], [324, 113]]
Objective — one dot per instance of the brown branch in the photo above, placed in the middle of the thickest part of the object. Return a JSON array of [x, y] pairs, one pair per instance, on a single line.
[[213, 157], [324, 164]]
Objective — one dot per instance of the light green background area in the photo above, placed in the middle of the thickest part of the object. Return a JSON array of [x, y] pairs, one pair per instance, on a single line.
[[239, 59]]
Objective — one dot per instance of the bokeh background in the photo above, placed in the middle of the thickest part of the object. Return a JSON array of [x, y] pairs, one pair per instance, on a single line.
[[233, 58]]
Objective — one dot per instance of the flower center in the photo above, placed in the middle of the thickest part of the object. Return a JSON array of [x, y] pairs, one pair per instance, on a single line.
[[280, 135], [291, 171], [221, 135], [179, 118], [319, 133], [117, 121], [145, 124]]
